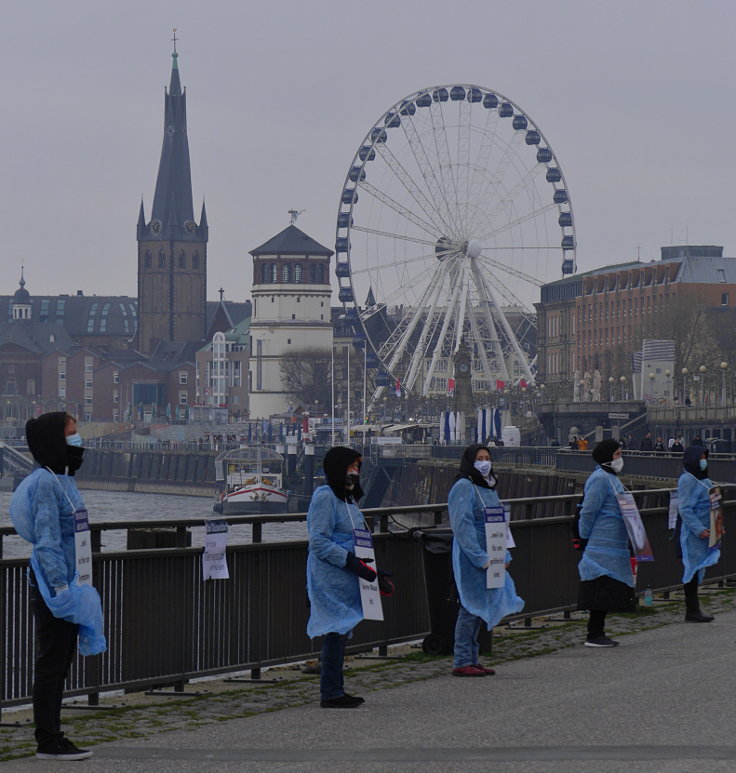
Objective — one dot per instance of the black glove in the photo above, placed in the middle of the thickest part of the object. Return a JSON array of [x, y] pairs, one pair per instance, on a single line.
[[384, 584], [354, 564]]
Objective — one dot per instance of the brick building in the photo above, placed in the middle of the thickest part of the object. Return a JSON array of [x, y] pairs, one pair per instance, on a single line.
[[595, 321]]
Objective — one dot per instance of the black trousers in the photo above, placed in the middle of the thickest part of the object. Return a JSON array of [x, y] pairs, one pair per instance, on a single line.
[[57, 643], [596, 623]]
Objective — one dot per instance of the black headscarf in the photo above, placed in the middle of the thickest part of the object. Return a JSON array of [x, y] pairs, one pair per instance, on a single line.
[[603, 453], [691, 461], [335, 463], [467, 469], [47, 443]]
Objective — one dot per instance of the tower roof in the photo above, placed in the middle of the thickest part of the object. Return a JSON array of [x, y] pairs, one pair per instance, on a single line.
[[291, 241], [174, 181], [21, 295]]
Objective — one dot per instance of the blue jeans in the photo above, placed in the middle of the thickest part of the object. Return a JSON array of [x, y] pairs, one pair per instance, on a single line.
[[467, 629], [333, 655]]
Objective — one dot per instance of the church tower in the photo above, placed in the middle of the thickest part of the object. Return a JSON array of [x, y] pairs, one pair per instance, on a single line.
[[172, 247]]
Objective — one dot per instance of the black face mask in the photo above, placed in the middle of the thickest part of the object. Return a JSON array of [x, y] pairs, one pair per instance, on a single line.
[[352, 480]]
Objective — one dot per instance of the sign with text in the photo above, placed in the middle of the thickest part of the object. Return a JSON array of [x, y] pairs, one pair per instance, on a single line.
[[635, 528], [214, 558], [83, 547], [716, 518], [370, 595], [507, 515], [674, 506], [496, 537]]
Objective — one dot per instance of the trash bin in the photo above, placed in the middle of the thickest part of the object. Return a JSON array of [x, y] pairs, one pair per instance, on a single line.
[[442, 596]]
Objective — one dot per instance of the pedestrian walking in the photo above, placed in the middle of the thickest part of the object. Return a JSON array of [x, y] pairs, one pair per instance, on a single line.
[[44, 510], [333, 570], [606, 577], [646, 442], [693, 488], [472, 493]]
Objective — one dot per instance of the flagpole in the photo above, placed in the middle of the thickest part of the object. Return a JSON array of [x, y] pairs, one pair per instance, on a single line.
[[332, 380]]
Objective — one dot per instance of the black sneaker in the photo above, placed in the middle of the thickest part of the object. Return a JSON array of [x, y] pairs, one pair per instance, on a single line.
[[61, 749], [601, 641], [342, 702]]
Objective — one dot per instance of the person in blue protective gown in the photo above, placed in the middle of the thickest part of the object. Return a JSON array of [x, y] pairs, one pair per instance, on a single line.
[[333, 570], [474, 490], [693, 488], [65, 611], [606, 577]]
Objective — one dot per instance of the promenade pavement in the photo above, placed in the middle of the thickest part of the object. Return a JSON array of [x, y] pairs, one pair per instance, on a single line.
[[661, 701]]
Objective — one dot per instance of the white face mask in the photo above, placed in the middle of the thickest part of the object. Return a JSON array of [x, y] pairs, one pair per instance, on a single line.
[[483, 467], [616, 464]]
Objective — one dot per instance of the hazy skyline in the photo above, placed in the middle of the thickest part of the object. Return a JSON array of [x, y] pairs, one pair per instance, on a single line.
[[634, 98]]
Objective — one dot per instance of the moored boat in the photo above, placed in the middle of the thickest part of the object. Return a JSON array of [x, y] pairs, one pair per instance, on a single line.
[[250, 481]]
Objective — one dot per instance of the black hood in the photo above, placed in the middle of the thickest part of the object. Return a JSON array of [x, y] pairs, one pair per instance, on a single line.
[[47, 443], [467, 470], [691, 461], [335, 463]]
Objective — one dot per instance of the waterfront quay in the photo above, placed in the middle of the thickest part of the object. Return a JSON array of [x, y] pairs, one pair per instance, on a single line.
[[659, 702]]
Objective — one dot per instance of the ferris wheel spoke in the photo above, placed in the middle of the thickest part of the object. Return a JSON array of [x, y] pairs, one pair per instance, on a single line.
[[463, 162], [533, 215], [400, 209], [482, 157], [398, 237], [449, 313], [402, 341], [483, 341], [493, 188], [532, 280], [497, 175], [426, 169], [439, 132], [426, 337], [429, 209]]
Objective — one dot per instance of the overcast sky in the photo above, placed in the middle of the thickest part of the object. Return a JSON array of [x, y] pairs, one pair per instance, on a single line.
[[636, 98]]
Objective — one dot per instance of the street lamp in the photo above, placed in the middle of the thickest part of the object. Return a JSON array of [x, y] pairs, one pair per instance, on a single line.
[[611, 379], [623, 388], [702, 370], [668, 374], [724, 367], [651, 384], [684, 372]]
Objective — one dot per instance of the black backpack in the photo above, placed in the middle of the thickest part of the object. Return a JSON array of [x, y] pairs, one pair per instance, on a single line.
[[578, 543]]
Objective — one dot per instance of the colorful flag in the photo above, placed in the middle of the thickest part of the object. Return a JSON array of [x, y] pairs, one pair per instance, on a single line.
[[500, 384], [523, 383], [398, 387], [450, 386]]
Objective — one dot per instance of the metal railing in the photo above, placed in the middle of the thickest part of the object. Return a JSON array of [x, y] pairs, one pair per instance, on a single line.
[[165, 625]]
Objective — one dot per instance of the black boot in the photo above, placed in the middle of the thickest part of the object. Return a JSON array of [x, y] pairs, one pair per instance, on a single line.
[[693, 613]]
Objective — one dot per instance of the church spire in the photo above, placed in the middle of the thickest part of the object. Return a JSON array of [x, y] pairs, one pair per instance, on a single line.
[[174, 179]]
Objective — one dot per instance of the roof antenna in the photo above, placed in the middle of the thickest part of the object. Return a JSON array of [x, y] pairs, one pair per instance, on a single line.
[[294, 214]]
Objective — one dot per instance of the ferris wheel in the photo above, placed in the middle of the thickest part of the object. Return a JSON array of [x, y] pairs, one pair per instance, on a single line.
[[453, 213]]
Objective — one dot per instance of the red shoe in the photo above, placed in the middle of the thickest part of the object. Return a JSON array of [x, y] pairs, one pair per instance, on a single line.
[[469, 671], [487, 671]]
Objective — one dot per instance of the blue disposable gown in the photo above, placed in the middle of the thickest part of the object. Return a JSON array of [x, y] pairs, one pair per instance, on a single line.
[[469, 555], [42, 511], [601, 523], [334, 591], [694, 509]]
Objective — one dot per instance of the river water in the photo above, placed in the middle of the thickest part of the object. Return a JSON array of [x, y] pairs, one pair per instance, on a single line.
[[107, 506]]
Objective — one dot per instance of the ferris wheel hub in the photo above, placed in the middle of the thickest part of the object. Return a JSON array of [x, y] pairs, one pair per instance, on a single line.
[[473, 249]]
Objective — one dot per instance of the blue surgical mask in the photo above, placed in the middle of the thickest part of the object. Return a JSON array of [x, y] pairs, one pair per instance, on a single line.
[[703, 464], [483, 467], [74, 440]]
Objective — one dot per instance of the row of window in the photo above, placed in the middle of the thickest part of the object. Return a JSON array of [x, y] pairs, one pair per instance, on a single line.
[[181, 259], [292, 273], [634, 307]]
